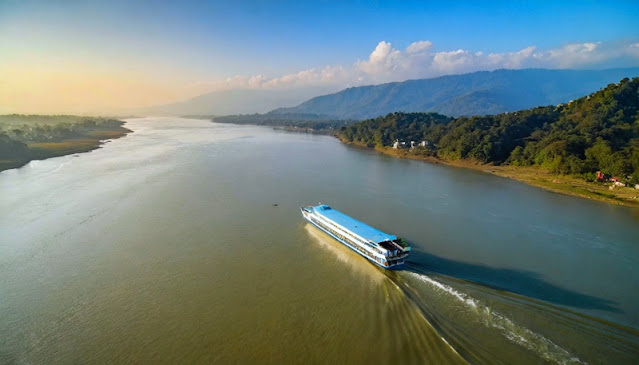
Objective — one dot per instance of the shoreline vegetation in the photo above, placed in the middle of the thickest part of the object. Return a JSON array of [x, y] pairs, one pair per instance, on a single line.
[[588, 147], [24, 138], [297, 122], [531, 175]]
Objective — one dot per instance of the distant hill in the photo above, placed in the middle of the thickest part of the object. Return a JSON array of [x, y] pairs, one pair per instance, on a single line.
[[596, 132], [478, 93], [227, 102]]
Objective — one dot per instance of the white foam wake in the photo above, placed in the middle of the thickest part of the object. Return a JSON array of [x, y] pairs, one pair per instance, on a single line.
[[512, 331]]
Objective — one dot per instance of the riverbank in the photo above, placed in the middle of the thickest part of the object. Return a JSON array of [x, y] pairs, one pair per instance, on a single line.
[[531, 175], [295, 129], [19, 154]]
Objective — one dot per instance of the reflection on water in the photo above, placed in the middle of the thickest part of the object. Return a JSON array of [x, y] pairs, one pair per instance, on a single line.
[[345, 255], [166, 246], [402, 316]]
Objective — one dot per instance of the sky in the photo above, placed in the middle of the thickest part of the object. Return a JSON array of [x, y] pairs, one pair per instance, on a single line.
[[73, 56]]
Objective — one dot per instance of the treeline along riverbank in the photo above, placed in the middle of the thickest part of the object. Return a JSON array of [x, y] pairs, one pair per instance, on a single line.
[[557, 147], [297, 122], [35, 137]]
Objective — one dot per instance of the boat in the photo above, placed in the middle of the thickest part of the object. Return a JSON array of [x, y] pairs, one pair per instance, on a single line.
[[383, 249]]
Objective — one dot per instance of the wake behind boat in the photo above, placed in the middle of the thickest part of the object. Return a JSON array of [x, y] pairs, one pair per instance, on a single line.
[[383, 249]]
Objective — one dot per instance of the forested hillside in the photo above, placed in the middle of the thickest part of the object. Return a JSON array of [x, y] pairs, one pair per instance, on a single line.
[[596, 132]]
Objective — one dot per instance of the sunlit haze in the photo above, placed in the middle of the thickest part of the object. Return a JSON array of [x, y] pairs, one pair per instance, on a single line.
[[106, 57]]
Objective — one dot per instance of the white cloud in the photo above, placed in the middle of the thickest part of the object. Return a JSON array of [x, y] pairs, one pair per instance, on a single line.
[[386, 63], [383, 59], [419, 46], [576, 54], [450, 62], [513, 60], [328, 74]]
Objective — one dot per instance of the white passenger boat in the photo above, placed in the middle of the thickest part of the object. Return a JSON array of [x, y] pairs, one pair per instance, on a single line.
[[383, 249]]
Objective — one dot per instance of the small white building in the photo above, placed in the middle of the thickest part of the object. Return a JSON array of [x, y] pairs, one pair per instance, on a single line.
[[424, 143], [412, 144], [397, 144]]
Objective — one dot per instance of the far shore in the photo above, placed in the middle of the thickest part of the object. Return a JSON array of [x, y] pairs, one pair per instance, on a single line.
[[563, 184], [45, 150]]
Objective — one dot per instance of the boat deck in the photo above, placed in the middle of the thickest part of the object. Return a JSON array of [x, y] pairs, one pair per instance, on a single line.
[[359, 228]]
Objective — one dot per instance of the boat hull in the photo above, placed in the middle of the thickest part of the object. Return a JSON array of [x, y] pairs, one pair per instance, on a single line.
[[394, 267]]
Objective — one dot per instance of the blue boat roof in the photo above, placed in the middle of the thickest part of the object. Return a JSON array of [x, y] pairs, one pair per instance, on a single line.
[[359, 228]]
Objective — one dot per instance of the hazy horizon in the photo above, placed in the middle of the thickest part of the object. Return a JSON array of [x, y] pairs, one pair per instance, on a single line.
[[92, 57]]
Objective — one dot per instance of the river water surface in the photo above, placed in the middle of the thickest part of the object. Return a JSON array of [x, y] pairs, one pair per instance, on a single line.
[[166, 246]]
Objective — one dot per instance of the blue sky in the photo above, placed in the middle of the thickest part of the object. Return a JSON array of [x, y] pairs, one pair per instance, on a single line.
[[193, 46]]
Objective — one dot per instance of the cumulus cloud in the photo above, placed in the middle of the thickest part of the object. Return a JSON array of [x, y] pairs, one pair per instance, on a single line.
[[419, 60], [419, 46], [576, 54], [383, 59], [327, 76], [511, 60]]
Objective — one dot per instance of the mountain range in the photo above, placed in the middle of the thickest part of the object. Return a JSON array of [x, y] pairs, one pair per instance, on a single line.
[[236, 101], [477, 93]]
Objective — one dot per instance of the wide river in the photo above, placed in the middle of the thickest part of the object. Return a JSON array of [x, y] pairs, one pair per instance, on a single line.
[[183, 242]]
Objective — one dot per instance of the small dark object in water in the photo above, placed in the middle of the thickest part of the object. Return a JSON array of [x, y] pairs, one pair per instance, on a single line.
[[275, 204]]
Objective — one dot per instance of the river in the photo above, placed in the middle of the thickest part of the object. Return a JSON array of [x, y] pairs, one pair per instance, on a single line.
[[183, 242]]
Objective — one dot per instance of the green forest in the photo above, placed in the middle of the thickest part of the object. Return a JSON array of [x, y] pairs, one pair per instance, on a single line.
[[596, 132], [28, 137], [313, 122]]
